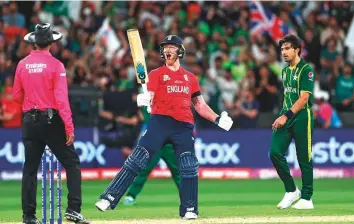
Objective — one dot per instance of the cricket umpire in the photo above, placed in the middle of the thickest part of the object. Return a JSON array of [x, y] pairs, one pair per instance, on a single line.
[[41, 88]]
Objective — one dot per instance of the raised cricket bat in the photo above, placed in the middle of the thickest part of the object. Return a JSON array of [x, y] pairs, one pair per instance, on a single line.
[[137, 50]]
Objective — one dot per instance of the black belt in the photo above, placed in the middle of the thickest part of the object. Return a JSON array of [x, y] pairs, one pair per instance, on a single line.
[[41, 112], [34, 113]]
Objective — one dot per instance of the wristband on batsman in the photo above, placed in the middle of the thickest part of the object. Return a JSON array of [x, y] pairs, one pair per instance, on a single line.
[[289, 114]]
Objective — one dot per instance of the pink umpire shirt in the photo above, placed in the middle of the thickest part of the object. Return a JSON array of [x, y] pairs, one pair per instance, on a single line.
[[40, 83]]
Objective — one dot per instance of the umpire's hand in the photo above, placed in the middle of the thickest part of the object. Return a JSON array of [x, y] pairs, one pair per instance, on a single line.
[[70, 139]]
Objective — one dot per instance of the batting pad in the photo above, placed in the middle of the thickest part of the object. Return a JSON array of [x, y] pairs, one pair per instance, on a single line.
[[135, 164], [189, 183]]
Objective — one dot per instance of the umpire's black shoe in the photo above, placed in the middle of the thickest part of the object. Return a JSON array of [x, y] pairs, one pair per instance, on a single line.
[[30, 220], [76, 217]]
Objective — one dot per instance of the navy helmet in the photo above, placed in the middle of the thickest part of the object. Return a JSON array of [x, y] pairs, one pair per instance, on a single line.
[[175, 40]]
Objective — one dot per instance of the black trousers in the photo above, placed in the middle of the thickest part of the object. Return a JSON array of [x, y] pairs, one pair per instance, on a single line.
[[37, 132]]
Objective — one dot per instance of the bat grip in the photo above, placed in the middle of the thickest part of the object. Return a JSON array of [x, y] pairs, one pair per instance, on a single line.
[[145, 90]]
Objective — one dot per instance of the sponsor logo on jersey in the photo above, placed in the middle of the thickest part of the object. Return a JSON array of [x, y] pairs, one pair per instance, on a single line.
[[178, 89], [311, 76], [35, 67], [186, 77], [290, 90], [166, 78]]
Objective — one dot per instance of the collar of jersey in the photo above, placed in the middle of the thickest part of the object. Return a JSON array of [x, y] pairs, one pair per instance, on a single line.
[[180, 69], [40, 52], [297, 65]]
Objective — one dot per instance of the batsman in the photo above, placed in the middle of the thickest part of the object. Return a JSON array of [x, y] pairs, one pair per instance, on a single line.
[[296, 122], [172, 92]]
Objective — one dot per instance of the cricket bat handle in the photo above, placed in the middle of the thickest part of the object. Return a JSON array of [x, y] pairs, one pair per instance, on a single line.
[[145, 90]]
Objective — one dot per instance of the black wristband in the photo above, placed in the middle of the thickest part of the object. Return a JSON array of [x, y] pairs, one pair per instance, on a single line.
[[217, 119], [289, 114]]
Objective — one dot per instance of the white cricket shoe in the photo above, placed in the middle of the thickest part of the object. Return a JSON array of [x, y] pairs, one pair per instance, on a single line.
[[103, 205], [303, 204], [190, 216], [289, 198]]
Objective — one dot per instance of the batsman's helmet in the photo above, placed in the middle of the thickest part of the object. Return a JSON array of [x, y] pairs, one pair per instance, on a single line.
[[175, 40]]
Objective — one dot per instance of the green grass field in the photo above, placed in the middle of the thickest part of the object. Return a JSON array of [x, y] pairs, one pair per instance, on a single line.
[[217, 199]]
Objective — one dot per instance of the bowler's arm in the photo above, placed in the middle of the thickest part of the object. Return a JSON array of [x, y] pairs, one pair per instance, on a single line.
[[203, 109], [301, 102]]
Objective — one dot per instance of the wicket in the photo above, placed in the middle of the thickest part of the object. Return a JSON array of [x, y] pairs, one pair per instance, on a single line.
[[48, 154]]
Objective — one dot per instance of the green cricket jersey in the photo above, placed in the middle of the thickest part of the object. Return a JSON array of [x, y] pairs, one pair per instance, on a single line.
[[297, 80]]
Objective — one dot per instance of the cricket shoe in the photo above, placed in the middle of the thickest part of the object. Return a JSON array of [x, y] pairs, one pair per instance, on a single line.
[[289, 199], [31, 220], [303, 204], [190, 216], [103, 205], [76, 217], [129, 200]]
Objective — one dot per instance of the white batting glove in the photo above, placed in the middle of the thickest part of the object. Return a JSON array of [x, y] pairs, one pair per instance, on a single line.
[[224, 121], [143, 99]]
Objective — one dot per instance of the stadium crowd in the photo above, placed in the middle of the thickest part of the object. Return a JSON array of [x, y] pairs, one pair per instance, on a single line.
[[239, 70]]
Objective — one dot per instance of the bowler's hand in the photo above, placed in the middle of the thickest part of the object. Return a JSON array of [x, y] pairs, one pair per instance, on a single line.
[[70, 139], [279, 122], [224, 121]]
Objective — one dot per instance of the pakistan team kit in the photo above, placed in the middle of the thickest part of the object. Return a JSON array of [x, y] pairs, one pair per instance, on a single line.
[[296, 81]]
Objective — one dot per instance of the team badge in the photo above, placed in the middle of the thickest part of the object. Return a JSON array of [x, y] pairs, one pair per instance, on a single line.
[[295, 77], [311, 76], [166, 78], [186, 77]]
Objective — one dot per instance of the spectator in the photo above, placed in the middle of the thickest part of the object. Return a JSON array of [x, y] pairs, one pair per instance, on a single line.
[[11, 116], [333, 31], [5, 68], [313, 47], [123, 83], [266, 89], [325, 115], [246, 110], [14, 18], [249, 81], [229, 88], [330, 61], [345, 89], [311, 24], [81, 74]]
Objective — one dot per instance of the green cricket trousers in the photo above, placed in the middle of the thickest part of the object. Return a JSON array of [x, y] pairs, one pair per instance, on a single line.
[[299, 128]]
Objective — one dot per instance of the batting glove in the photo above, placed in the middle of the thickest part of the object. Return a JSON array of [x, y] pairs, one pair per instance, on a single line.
[[143, 99], [224, 121]]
